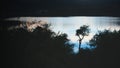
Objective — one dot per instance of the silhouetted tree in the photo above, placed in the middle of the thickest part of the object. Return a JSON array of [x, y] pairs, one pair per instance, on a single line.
[[81, 33]]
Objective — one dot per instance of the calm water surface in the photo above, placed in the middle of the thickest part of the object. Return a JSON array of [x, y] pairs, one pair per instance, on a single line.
[[69, 25]]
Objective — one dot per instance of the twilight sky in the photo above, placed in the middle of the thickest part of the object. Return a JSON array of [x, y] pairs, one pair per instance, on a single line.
[[13, 8]]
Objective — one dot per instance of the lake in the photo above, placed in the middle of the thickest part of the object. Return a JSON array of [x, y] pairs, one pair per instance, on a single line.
[[69, 25]]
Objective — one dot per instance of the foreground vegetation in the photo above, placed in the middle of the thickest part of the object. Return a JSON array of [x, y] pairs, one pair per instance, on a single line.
[[44, 48]]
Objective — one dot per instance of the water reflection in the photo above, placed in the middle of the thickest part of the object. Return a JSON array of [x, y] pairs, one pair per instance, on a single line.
[[70, 24]]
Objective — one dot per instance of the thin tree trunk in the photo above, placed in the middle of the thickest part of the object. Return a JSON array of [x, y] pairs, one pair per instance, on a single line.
[[79, 45]]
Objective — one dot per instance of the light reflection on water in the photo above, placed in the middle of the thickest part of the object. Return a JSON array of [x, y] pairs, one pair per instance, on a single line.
[[69, 25]]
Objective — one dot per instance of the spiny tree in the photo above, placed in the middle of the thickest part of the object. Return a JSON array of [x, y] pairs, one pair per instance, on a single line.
[[81, 33]]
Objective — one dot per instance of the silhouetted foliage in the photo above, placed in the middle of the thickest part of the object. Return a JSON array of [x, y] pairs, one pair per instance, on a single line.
[[41, 48], [83, 31], [105, 55], [107, 48]]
